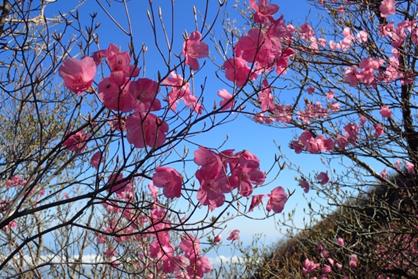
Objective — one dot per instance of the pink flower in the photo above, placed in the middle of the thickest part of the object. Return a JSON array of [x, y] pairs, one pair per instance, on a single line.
[[310, 90], [194, 48], [385, 112], [15, 181], [278, 199], [378, 130], [245, 172], [353, 261], [96, 159], [210, 162], [118, 184], [198, 267], [387, 8], [180, 90], [120, 61], [309, 266], [78, 75], [146, 129], [322, 178], [330, 95], [227, 100], [362, 36], [170, 180], [255, 201], [144, 91], [217, 239], [326, 269], [340, 241], [304, 184], [263, 10], [190, 245], [237, 70], [76, 142], [265, 97], [260, 47], [410, 167], [234, 235], [114, 93]]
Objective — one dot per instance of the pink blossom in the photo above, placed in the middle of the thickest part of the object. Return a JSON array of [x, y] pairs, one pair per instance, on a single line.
[[234, 235], [170, 180], [245, 172], [255, 201], [362, 36], [340, 241], [114, 92], [309, 266], [353, 261], [144, 92], [326, 269], [118, 184], [76, 142], [78, 75], [190, 245], [146, 129], [385, 111], [194, 48], [352, 132], [378, 130], [227, 102], [210, 162], [278, 199], [263, 10], [410, 167], [217, 239], [304, 184], [198, 267], [265, 97], [101, 239], [310, 90], [15, 181], [335, 107], [96, 159], [330, 95], [237, 70], [322, 178], [260, 48], [387, 8], [180, 90], [120, 61]]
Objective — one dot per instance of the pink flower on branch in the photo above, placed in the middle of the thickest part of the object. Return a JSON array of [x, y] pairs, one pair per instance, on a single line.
[[180, 90], [238, 71], [322, 178], [227, 102], [78, 75], [278, 199], [194, 48], [76, 142], [255, 201], [264, 10], [387, 8], [170, 180], [146, 130], [234, 235]]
